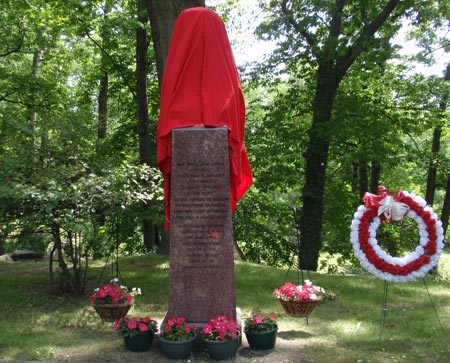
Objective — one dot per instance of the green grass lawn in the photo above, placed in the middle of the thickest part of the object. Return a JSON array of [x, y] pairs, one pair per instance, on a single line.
[[37, 326]]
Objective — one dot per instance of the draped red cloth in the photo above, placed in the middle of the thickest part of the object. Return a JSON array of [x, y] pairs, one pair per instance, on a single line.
[[201, 87]]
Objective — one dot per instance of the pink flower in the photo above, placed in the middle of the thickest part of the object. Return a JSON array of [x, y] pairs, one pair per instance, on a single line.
[[207, 329], [143, 327], [102, 294], [259, 319], [180, 322], [117, 325], [131, 324], [222, 332]]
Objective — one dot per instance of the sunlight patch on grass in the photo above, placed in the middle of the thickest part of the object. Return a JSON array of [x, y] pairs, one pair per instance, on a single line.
[[351, 328]]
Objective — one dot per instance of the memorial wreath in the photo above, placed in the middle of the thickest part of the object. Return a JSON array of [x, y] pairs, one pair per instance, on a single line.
[[384, 207]]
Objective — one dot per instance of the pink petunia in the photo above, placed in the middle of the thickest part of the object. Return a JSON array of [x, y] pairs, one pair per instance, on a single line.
[[143, 327], [207, 329], [131, 324], [259, 319], [180, 322], [102, 294]]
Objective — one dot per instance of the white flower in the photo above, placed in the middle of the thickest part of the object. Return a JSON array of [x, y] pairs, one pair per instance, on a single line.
[[136, 291]]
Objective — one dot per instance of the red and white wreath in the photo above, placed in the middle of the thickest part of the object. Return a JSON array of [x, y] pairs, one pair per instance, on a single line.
[[384, 207]]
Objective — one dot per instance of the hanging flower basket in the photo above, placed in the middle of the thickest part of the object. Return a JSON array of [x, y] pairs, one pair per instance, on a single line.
[[299, 308], [113, 301], [112, 312], [299, 301]]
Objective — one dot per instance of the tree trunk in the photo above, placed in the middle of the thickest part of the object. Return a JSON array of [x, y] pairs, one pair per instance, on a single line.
[[141, 79], [103, 108], [162, 19], [142, 112], [354, 176], [446, 207], [2, 243], [432, 167], [35, 72], [332, 68], [316, 156], [375, 172], [65, 278], [363, 178]]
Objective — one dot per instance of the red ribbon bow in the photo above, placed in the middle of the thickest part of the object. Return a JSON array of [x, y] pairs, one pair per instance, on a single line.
[[388, 208]]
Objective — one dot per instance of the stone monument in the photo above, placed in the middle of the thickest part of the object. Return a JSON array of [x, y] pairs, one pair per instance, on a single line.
[[201, 237], [202, 156]]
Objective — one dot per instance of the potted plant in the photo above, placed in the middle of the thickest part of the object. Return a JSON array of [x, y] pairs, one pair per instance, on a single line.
[[137, 332], [260, 330], [221, 337], [299, 300], [113, 301], [177, 338]]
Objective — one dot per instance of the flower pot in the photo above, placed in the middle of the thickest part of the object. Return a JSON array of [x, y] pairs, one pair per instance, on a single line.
[[222, 349], [261, 340], [177, 349], [110, 313], [300, 308], [140, 342]]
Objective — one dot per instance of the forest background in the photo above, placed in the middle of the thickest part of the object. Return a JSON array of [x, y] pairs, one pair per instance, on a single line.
[[333, 110]]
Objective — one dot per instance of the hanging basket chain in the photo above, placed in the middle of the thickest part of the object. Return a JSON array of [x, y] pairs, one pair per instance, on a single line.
[[115, 271], [294, 264]]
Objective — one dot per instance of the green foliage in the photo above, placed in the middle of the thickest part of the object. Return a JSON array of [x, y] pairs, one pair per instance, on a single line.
[[73, 196], [264, 228]]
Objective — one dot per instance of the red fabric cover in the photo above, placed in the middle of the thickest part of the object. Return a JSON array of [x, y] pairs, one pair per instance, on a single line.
[[201, 87]]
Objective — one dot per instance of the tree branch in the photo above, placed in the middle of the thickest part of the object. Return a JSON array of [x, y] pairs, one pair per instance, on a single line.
[[336, 20], [27, 104], [344, 62], [116, 66], [303, 32], [16, 49]]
